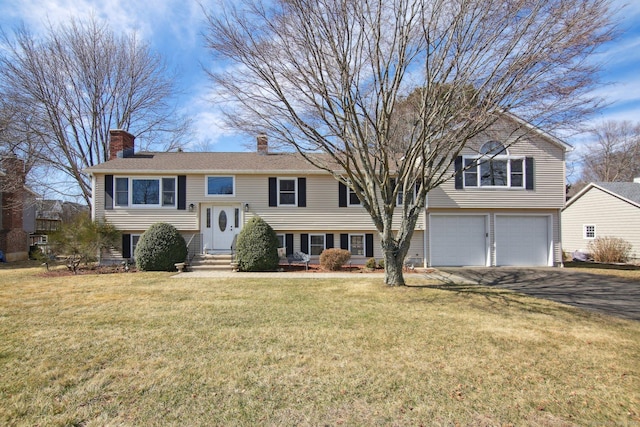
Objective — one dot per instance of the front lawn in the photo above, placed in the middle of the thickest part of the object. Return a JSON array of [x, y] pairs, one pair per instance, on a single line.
[[148, 349]]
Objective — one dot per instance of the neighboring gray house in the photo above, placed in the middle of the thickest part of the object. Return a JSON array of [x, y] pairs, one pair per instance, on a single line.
[[504, 209], [603, 209]]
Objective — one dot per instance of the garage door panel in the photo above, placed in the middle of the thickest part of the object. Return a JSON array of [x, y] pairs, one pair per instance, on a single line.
[[522, 240], [458, 240]]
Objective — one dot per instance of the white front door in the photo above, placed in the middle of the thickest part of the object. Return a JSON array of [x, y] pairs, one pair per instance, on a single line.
[[219, 225]]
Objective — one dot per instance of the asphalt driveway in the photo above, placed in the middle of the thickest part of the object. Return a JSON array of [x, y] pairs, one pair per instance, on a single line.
[[605, 294]]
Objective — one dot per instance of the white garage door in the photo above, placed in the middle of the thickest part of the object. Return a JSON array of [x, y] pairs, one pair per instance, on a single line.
[[522, 240], [458, 240]]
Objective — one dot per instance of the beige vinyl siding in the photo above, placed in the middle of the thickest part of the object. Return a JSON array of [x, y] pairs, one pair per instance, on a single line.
[[491, 213], [321, 213], [549, 180], [416, 249], [611, 216]]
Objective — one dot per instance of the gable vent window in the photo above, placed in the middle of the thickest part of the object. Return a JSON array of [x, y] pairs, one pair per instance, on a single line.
[[590, 231]]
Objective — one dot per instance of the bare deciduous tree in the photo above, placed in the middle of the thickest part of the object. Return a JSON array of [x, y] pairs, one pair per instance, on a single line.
[[73, 85], [391, 91], [615, 154]]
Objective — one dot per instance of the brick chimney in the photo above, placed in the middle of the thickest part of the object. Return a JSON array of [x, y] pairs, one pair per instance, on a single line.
[[13, 239], [263, 144], [121, 144]]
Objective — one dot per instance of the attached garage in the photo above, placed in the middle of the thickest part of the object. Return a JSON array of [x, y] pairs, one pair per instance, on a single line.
[[523, 240], [458, 240]]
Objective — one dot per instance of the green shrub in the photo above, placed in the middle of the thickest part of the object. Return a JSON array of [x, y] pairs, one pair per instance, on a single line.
[[257, 248], [381, 263], [333, 259], [159, 248], [610, 249], [371, 263]]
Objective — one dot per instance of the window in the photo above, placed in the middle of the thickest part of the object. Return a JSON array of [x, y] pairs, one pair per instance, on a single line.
[[145, 192], [412, 195], [589, 231], [220, 186], [356, 244], [353, 198], [286, 192], [494, 168], [134, 242], [168, 192], [122, 191], [316, 244], [281, 241]]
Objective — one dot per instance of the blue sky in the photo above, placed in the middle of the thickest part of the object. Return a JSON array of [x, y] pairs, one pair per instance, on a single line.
[[173, 28]]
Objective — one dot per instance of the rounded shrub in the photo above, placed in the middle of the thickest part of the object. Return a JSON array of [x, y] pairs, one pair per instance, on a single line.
[[160, 248], [371, 263], [257, 247], [333, 259]]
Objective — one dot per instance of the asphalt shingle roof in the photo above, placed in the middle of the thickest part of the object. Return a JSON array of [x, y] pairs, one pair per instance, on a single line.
[[626, 190], [206, 162]]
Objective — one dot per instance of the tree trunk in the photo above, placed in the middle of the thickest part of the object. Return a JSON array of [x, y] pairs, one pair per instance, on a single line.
[[393, 269]]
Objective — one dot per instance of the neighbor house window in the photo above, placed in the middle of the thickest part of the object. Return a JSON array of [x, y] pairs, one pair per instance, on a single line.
[[316, 244], [220, 186], [589, 231], [494, 168], [356, 244], [287, 192]]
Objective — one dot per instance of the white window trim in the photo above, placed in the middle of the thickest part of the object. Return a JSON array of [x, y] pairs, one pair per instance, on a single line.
[[206, 186], [584, 232], [324, 242], [131, 205], [364, 244], [503, 157], [295, 191]]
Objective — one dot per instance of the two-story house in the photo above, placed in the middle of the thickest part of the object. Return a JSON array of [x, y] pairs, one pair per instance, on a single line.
[[504, 209]]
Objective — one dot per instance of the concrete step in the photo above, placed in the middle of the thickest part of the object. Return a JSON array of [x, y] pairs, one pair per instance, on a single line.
[[212, 262]]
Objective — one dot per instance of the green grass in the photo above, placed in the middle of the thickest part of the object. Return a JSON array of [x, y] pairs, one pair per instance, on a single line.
[[148, 349]]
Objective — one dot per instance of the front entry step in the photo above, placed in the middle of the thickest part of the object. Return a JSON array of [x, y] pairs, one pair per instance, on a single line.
[[217, 262]]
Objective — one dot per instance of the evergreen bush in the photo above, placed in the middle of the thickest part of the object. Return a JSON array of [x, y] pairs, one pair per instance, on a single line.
[[257, 247], [160, 248], [333, 259], [371, 263]]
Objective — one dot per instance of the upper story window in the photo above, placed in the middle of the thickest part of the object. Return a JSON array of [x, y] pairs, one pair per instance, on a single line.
[[353, 198], [145, 192], [494, 167], [220, 186], [287, 191]]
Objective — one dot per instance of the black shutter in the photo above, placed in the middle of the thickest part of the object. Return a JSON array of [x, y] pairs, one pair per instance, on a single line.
[[182, 192], [302, 192], [328, 241], [368, 245], [342, 195], [344, 241], [304, 243], [459, 173], [529, 173], [273, 191], [108, 191], [288, 242], [126, 246]]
